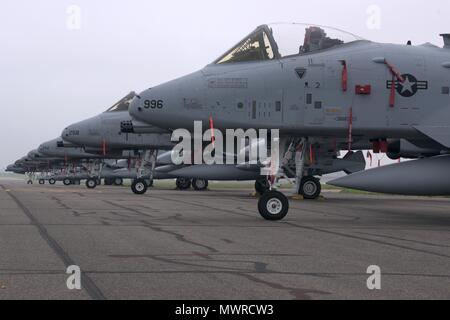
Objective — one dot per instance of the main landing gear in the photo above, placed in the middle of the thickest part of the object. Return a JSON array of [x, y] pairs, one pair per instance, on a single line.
[[139, 186], [310, 188], [198, 184], [91, 183], [183, 183]]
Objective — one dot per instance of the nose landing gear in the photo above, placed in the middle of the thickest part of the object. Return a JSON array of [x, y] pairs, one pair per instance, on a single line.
[[273, 206]]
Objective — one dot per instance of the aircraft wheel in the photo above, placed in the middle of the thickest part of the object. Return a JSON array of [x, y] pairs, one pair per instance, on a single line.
[[52, 181], [183, 183], [29, 182], [91, 183], [67, 182], [310, 188], [200, 184], [273, 206], [41, 181], [118, 181], [262, 186], [149, 182], [139, 186]]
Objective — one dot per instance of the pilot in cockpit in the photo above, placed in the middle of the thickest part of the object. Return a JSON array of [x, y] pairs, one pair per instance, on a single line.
[[316, 39]]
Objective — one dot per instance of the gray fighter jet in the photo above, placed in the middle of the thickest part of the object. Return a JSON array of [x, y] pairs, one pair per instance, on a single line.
[[115, 131], [325, 90]]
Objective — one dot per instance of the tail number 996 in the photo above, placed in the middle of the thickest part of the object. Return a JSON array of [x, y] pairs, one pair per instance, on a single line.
[[153, 104]]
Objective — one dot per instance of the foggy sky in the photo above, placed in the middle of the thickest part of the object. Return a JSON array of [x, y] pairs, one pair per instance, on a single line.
[[52, 76]]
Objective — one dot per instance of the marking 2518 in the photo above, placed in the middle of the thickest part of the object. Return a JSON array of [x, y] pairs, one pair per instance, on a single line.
[[153, 104]]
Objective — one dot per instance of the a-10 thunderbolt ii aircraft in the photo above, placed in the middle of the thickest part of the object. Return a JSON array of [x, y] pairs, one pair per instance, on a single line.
[[115, 130], [111, 165], [325, 90], [82, 165], [102, 134]]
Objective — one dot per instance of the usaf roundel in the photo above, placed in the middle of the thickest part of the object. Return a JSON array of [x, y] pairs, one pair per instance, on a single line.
[[409, 87]]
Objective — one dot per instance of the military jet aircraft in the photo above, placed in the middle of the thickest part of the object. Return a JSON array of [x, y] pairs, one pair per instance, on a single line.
[[114, 130], [325, 90], [86, 166], [15, 169], [103, 134]]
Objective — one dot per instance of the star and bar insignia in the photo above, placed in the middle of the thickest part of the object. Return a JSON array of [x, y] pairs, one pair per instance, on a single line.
[[408, 88]]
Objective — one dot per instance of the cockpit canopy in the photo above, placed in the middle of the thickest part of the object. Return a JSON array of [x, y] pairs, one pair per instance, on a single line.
[[281, 40], [123, 104]]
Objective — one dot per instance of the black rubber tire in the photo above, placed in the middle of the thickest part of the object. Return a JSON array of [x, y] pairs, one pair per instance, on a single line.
[[118, 181], [262, 186], [52, 181], [139, 186], [29, 182], [41, 181], [200, 184], [273, 206], [183, 183], [310, 188], [67, 182], [91, 183]]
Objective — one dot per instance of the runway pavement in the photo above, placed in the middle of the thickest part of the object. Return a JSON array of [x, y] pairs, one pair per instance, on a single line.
[[171, 244]]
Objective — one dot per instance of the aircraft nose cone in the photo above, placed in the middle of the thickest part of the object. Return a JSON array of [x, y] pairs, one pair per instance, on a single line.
[[73, 133]]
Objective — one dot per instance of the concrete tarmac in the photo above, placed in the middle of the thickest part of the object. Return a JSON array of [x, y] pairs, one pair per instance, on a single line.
[[172, 244]]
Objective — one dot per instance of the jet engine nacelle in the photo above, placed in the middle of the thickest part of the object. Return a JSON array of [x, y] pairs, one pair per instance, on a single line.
[[404, 149]]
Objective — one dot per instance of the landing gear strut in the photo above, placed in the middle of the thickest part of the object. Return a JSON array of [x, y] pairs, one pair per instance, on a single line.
[[262, 186], [145, 172], [273, 205]]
